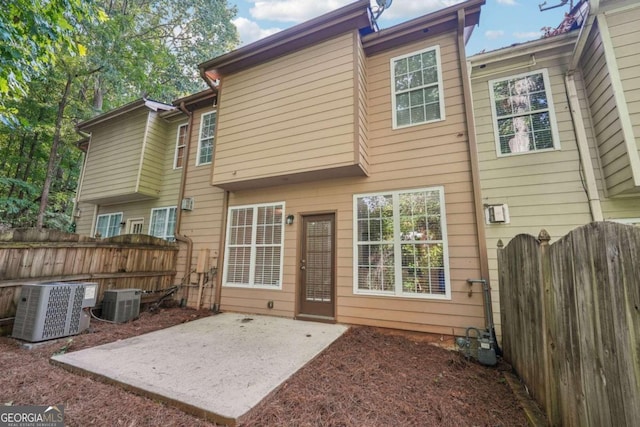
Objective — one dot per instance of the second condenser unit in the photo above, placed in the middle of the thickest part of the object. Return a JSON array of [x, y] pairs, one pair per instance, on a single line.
[[121, 305]]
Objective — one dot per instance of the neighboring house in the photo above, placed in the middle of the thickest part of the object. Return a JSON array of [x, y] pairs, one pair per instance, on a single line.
[[335, 181], [558, 123], [132, 169]]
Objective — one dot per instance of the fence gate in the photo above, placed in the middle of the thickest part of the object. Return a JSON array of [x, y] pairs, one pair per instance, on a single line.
[[571, 322]]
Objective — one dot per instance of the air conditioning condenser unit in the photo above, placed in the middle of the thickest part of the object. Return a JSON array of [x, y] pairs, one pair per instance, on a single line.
[[121, 305], [53, 310]]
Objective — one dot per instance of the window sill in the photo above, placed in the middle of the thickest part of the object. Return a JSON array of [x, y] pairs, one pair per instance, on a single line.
[[428, 297]]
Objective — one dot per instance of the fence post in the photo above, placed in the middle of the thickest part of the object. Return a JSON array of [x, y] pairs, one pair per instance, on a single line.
[[548, 323]]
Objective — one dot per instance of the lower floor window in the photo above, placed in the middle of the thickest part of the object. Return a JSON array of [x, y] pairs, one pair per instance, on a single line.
[[400, 244], [253, 254], [163, 223], [108, 225]]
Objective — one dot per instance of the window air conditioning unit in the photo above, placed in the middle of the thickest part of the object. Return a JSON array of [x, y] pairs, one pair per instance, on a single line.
[[53, 310], [121, 305], [187, 204]]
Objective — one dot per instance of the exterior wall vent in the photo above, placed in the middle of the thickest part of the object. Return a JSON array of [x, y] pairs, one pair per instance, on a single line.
[[187, 204], [497, 214], [53, 310], [121, 305]]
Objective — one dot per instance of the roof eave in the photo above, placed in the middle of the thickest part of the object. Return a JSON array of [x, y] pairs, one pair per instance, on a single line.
[[523, 49], [349, 18], [415, 30], [127, 108]]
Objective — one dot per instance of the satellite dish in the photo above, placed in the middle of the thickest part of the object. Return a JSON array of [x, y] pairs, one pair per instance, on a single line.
[[382, 6]]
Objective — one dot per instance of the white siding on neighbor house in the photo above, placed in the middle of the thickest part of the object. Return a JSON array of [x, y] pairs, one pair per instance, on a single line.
[[421, 156], [292, 114]]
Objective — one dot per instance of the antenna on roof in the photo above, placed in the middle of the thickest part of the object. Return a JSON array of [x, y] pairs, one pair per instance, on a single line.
[[562, 3], [376, 11]]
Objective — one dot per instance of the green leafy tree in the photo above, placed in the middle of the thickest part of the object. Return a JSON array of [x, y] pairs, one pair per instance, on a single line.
[[33, 34], [123, 50]]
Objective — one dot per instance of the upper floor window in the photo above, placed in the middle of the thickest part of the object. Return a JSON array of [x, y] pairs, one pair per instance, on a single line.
[[205, 142], [181, 143], [416, 85], [523, 114], [254, 247], [108, 225], [163, 223], [400, 244]]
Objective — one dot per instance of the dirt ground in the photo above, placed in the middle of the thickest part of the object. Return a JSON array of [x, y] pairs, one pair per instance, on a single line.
[[368, 377]]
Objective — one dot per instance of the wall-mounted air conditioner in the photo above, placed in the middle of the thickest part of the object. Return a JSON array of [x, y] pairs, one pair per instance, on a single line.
[[53, 310], [187, 204], [121, 305]]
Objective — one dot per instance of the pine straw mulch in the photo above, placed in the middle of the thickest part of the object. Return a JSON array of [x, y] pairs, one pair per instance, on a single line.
[[368, 377]]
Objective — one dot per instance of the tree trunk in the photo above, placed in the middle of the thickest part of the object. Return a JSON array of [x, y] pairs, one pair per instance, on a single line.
[[53, 156]]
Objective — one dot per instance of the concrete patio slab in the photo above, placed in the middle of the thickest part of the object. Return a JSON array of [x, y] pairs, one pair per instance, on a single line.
[[217, 367]]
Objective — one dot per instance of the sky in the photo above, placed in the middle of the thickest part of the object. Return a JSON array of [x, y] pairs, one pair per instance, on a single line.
[[502, 22]]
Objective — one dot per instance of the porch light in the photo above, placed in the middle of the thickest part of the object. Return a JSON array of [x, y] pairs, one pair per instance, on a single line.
[[290, 219]]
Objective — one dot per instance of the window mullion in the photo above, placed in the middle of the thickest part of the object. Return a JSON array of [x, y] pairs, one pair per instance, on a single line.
[[254, 250], [397, 246]]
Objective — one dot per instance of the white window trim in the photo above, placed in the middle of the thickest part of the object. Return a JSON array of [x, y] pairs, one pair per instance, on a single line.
[[394, 116], [552, 113], [175, 154], [108, 214], [252, 262], [166, 208], [200, 138], [398, 292]]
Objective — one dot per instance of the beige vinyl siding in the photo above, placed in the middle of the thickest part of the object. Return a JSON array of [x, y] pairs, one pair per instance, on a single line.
[[85, 220], [542, 190], [202, 224], [292, 114], [168, 181], [417, 157], [153, 156], [606, 122], [114, 156], [623, 27], [362, 124]]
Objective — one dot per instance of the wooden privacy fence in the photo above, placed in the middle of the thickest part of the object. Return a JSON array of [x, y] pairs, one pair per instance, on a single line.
[[128, 261], [571, 322]]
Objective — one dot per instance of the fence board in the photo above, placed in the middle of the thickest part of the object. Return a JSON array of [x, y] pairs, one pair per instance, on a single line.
[[591, 312], [130, 261]]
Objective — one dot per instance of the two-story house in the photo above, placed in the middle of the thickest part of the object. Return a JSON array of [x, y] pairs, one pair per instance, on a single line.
[[132, 171], [336, 180], [558, 124]]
